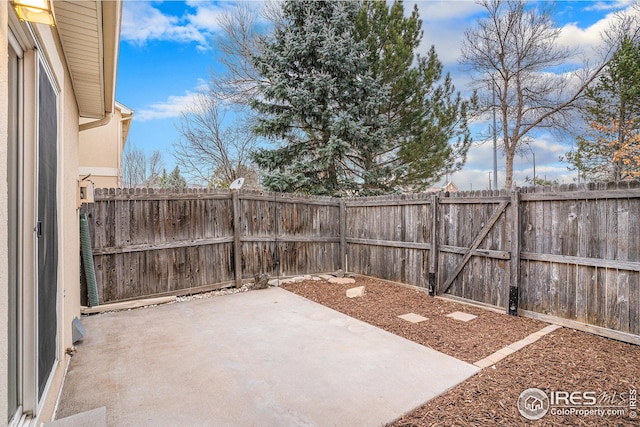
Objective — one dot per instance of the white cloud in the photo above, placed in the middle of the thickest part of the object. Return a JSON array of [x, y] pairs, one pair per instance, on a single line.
[[173, 107], [142, 22], [586, 42], [609, 5], [475, 174], [206, 16], [436, 10], [444, 23]]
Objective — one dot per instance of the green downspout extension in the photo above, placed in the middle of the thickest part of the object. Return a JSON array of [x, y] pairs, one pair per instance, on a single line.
[[87, 260]]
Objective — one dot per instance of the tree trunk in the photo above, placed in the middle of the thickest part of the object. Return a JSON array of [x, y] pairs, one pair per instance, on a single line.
[[509, 154]]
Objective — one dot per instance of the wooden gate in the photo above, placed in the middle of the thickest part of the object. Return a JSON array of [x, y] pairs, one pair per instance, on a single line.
[[478, 251]]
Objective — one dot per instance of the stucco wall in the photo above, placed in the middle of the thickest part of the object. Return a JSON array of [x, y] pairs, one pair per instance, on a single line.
[[70, 235], [100, 181], [100, 153]]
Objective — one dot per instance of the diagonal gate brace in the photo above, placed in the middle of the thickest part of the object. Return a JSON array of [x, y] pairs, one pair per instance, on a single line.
[[476, 242]]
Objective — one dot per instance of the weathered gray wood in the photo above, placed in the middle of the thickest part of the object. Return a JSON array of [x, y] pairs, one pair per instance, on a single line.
[[343, 235], [289, 238], [474, 200], [284, 198], [160, 246], [488, 253], [546, 270], [433, 252], [237, 252], [583, 195], [378, 203], [634, 303], [161, 196], [150, 242], [597, 330], [592, 262], [485, 230], [491, 307], [389, 243], [611, 302], [515, 251], [623, 280]]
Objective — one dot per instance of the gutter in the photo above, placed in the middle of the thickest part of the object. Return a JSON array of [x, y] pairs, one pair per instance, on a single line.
[[96, 123]]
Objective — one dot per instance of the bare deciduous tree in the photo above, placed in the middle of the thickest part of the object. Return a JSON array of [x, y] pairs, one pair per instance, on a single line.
[[155, 168], [133, 166], [513, 51], [238, 42], [208, 150], [138, 170]]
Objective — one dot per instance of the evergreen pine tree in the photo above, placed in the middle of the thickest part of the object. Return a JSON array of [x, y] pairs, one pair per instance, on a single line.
[[426, 120], [174, 181], [611, 148], [321, 102], [354, 109]]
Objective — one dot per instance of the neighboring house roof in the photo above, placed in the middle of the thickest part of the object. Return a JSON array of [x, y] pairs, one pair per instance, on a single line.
[[127, 116], [449, 186], [90, 36]]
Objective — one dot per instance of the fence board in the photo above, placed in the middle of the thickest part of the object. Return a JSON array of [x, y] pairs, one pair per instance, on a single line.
[[634, 303]]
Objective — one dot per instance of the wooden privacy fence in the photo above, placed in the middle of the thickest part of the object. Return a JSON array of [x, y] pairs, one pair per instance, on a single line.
[[153, 242], [568, 254]]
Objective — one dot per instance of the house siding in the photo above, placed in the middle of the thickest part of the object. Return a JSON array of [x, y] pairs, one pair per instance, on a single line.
[[101, 153]]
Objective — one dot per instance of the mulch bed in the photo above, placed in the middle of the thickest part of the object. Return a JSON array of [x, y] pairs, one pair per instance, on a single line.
[[565, 360], [384, 302]]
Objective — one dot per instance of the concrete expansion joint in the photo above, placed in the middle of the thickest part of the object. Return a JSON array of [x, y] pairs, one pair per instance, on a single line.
[[494, 358]]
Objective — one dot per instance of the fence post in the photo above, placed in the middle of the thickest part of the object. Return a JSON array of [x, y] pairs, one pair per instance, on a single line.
[[343, 235], [515, 253], [237, 247], [433, 253]]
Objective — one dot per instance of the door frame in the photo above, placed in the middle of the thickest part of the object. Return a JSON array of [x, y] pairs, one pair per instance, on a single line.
[[23, 41], [14, 169]]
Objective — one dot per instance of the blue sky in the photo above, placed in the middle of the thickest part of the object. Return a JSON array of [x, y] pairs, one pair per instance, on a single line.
[[167, 52]]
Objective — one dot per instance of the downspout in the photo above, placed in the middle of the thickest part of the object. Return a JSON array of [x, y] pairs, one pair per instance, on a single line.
[[85, 238]]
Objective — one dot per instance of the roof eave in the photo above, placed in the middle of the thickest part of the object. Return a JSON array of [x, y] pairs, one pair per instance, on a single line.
[[90, 35]]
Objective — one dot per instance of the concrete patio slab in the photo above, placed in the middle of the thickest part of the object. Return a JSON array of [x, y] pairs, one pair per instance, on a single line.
[[260, 358], [94, 418]]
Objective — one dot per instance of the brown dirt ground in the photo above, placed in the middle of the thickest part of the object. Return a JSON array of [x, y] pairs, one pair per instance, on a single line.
[[565, 360]]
